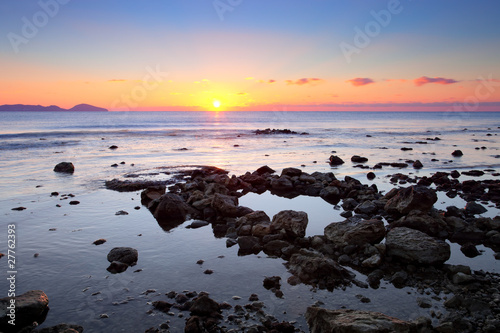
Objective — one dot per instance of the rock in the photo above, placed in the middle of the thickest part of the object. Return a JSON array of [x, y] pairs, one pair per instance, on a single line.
[[74, 202], [473, 208], [411, 198], [282, 183], [117, 267], [314, 268], [274, 247], [454, 302], [113, 147], [291, 172], [431, 223], [225, 205], [248, 245], [152, 193], [170, 210], [197, 224], [417, 165], [373, 261], [27, 308], [353, 321], [359, 159], [65, 167], [272, 282], [461, 278], [254, 218], [355, 231], [19, 209], [204, 306], [261, 230], [61, 328], [126, 255], [330, 194], [469, 250], [455, 174], [99, 241], [414, 246], [264, 169], [367, 207], [162, 306], [457, 153], [121, 212], [399, 279], [292, 222], [335, 160], [424, 303], [370, 175]]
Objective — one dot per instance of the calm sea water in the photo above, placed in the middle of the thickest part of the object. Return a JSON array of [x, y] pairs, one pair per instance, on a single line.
[[72, 271]]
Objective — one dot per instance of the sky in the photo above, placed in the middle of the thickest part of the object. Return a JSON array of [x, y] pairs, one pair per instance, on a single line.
[[251, 55]]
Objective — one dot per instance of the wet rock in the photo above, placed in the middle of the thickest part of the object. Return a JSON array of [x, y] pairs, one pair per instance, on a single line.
[[291, 172], [274, 247], [197, 224], [204, 306], [74, 202], [473, 208], [282, 183], [399, 279], [424, 303], [117, 267], [121, 212], [335, 160], [353, 321], [19, 209], [254, 218], [314, 268], [473, 173], [355, 231], [417, 165], [248, 245], [152, 193], [113, 147], [431, 223], [455, 174], [126, 255], [370, 175], [414, 246], [292, 222], [99, 241], [264, 170], [367, 207], [457, 153], [330, 194], [461, 278], [65, 167], [272, 282], [470, 250], [61, 328], [170, 210], [411, 198], [29, 307], [162, 306], [226, 205], [359, 159]]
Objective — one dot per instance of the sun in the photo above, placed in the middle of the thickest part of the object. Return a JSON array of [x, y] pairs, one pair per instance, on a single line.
[[216, 104]]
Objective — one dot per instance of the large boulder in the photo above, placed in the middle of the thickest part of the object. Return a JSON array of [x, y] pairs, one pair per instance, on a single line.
[[292, 222], [411, 198], [355, 231], [152, 193], [413, 246], [315, 269], [24, 309], [354, 321], [281, 184], [170, 210], [65, 167]]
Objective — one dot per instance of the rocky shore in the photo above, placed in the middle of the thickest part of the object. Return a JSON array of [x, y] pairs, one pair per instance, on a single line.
[[398, 237]]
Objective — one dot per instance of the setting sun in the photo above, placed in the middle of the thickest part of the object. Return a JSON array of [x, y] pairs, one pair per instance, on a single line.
[[216, 104]]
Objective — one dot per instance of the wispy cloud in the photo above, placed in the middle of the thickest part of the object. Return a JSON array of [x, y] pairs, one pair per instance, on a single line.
[[304, 81], [361, 81], [267, 81], [242, 94], [117, 80], [438, 80]]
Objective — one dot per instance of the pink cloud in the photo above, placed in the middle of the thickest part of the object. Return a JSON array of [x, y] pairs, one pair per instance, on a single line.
[[267, 81], [361, 81], [117, 80], [303, 81], [438, 80]]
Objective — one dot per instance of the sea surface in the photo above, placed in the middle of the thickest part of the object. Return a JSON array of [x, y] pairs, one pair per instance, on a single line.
[[72, 271]]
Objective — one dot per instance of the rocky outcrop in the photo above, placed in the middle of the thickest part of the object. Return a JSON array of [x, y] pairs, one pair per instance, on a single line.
[[293, 223], [65, 167], [411, 198], [354, 321], [413, 246], [355, 231], [24, 309]]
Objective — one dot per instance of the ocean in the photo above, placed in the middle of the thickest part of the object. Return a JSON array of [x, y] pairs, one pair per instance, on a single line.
[[72, 271]]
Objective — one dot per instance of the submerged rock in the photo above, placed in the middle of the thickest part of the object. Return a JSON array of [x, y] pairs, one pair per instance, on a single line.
[[354, 321], [414, 246]]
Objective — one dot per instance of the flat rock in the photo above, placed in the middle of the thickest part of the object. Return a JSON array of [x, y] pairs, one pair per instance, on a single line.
[[353, 321], [355, 231], [414, 246]]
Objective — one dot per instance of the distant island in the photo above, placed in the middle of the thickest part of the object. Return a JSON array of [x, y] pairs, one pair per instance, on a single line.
[[22, 107]]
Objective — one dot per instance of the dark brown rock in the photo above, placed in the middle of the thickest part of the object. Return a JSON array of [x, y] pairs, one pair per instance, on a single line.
[[126, 255], [355, 231], [65, 167], [411, 198]]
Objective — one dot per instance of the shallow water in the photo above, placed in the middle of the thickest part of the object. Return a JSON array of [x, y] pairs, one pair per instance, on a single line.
[[70, 269]]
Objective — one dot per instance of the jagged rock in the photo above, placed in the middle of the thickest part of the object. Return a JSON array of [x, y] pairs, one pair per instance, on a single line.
[[292, 222], [25, 309], [65, 167], [264, 169], [314, 268], [355, 231], [367, 207], [256, 217], [414, 246], [126, 255], [248, 245], [354, 321], [274, 247], [473, 208], [411, 198], [152, 193], [417, 165], [204, 306]]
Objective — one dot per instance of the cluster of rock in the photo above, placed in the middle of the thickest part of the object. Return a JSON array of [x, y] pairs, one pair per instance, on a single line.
[[414, 249], [269, 131]]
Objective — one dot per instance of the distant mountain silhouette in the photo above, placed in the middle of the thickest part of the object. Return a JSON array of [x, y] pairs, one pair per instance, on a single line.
[[22, 107]]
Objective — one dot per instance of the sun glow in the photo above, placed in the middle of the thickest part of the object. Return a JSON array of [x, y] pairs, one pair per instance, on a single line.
[[216, 104]]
